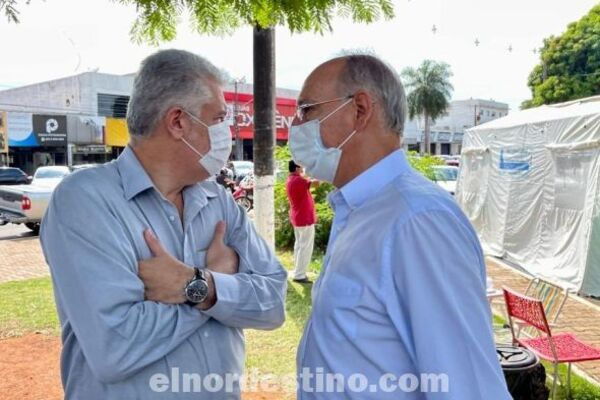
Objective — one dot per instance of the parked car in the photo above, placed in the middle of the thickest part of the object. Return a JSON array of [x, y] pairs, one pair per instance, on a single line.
[[24, 204], [241, 169], [13, 176], [50, 176], [453, 161], [27, 204], [446, 176]]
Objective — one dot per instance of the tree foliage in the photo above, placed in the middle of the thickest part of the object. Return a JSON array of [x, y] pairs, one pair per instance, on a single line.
[[429, 88], [9, 8], [569, 65], [158, 19]]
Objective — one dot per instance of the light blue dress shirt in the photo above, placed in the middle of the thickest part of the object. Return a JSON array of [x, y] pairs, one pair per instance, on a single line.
[[402, 292], [114, 342]]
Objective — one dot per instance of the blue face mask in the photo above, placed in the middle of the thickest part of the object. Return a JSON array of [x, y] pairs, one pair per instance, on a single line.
[[308, 150]]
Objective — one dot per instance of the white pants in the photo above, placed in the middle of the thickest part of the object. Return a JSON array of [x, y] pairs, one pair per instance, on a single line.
[[303, 249]]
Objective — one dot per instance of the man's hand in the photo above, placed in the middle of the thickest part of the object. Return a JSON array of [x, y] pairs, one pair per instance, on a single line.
[[163, 275], [220, 257]]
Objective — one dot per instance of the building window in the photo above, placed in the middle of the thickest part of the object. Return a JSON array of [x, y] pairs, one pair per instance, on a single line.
[[112, 105]]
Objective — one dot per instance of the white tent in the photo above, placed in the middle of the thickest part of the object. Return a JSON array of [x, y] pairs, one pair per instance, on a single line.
[[529, 184]]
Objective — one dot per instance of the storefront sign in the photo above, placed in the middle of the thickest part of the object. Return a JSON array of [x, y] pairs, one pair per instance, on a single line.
[[92, 149], [50, 130], [117, 133], [20, 130], [284, 114]]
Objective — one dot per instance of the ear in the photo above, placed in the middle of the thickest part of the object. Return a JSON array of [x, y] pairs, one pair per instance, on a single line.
[[175, 124], [363, 102]]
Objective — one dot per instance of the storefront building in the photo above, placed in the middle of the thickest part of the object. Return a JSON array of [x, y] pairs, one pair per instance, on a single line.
[[81, 120], [36, 139]]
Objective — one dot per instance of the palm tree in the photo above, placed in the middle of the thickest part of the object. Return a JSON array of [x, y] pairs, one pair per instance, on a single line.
[[429, 92]]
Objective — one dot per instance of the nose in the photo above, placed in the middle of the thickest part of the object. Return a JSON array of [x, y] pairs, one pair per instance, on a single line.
[[296, 121]]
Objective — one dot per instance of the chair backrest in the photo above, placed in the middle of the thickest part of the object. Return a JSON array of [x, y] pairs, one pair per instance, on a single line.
[[526, 309], [552, 296]]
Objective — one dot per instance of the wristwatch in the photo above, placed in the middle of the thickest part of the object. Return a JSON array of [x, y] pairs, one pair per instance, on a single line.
[[196, 290]]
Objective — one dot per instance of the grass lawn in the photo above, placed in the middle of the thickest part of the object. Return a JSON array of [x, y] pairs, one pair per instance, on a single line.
[[28, 306]]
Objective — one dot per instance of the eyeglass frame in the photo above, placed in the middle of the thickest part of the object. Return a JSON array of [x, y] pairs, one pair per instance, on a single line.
[[302, 108]]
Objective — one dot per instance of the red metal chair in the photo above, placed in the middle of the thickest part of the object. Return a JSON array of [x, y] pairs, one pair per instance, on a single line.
[[559, 348]]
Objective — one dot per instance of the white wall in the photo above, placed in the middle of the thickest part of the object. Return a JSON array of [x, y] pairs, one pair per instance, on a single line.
[[460, 116], [72, 95]]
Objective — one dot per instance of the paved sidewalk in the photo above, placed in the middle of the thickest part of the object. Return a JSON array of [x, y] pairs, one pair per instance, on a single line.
[[21, 259], [579, 315]]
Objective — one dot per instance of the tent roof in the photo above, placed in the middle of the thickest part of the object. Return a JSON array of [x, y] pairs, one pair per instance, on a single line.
[[576, 108]]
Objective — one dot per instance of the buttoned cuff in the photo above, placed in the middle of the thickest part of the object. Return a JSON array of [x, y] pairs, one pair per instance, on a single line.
[[226, 288]]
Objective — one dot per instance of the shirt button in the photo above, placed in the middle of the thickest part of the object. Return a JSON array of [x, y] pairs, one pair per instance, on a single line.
[[172, 218], [205, 334]]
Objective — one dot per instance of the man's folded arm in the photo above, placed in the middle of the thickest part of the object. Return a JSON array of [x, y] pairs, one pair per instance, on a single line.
[[254, 297], [94, 270]]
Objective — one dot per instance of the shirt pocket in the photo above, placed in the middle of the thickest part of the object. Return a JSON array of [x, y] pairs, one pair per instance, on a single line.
[[340, 297]]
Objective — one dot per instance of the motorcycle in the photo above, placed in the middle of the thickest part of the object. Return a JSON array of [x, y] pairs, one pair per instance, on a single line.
[[244, 193]]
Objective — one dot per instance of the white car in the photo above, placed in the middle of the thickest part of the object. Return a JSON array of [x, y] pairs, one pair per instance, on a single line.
[[50, 176], [446, 176], [242, 168]]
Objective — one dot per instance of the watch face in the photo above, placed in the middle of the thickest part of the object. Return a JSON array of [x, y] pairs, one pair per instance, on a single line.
[[196, 291]]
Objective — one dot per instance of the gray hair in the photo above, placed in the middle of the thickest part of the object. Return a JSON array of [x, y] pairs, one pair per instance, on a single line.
[[366, 71], [168, 78]]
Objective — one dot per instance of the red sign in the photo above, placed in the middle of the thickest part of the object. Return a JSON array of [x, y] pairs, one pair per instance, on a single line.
[[284, 114]]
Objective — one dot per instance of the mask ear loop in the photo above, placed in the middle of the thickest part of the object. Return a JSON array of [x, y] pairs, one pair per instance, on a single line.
[[194, 118], [333, 112], [347, 139], [198, 121], [192, 147], [336, 110]]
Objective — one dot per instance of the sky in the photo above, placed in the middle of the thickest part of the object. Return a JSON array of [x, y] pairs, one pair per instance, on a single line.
[[58, 38]]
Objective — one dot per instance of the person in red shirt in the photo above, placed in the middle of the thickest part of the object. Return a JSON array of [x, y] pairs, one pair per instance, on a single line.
[[303, 219]]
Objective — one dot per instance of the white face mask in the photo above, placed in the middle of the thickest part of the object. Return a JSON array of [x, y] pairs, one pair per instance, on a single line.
[[308, 150], [220, 146]]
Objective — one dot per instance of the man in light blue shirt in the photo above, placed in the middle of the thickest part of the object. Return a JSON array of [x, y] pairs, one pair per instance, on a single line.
[[121, 240], [400, 310]]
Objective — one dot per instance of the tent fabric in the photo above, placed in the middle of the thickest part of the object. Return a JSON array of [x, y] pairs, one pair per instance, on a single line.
[[529, 185]]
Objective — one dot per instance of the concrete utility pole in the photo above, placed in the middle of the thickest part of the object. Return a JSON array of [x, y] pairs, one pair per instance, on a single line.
[[264, 132]]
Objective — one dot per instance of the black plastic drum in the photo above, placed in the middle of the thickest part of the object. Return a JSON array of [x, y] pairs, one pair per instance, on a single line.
[[525, 375]]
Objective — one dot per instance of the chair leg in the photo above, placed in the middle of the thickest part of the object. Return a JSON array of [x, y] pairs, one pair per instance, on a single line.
[[569, 382], [554, 381]]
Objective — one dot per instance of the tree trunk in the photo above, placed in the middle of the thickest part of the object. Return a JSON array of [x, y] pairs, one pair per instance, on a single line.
[[264, 132], [427, 134]]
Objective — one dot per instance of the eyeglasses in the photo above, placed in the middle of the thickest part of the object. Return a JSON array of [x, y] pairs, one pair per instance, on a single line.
[[302, 109]]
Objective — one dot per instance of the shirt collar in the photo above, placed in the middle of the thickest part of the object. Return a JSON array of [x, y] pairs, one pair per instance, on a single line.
[[356, 192], [135, 179]]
